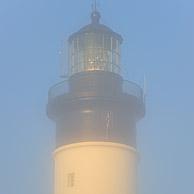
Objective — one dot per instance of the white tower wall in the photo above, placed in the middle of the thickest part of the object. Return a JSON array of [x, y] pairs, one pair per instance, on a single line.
[[95, 168]]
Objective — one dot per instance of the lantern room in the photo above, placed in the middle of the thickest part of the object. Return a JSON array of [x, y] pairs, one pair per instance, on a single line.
[[95, 47]]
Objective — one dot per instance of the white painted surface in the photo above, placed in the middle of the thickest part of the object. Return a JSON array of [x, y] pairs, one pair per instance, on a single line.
[[95, 168]]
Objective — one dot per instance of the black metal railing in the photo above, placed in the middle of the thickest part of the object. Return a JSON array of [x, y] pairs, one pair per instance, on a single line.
[[129, 88]]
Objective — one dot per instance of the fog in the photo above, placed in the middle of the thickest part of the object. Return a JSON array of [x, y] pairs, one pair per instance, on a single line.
[[156, 53]]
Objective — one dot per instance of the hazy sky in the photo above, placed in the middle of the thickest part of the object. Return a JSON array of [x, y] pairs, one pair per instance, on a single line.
[[158, 42]]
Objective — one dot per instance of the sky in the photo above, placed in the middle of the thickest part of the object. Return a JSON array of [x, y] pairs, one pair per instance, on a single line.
[[158, 43]]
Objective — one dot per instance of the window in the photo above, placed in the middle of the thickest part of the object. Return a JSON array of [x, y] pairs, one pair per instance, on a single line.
[[70, 179]]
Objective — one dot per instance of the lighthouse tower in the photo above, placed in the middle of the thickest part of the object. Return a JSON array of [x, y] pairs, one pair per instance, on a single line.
[[95, 112]]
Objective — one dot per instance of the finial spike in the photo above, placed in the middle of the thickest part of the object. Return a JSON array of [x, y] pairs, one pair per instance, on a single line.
[[95, 16], [94, 6]]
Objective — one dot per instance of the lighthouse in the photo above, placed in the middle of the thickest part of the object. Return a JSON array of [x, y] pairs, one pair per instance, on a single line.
[[95, 110]]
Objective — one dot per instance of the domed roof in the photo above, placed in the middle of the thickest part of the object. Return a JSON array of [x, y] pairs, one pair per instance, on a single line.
[[96, 27]]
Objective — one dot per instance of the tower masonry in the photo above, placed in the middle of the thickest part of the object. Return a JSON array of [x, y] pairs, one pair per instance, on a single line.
[[95, 112]]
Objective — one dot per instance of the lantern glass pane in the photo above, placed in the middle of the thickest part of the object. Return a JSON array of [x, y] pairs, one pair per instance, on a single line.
[[94, 51]]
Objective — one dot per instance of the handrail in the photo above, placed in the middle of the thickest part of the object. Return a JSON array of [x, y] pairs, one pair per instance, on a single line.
[[58, 89], [129, 88], [133, 89]]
